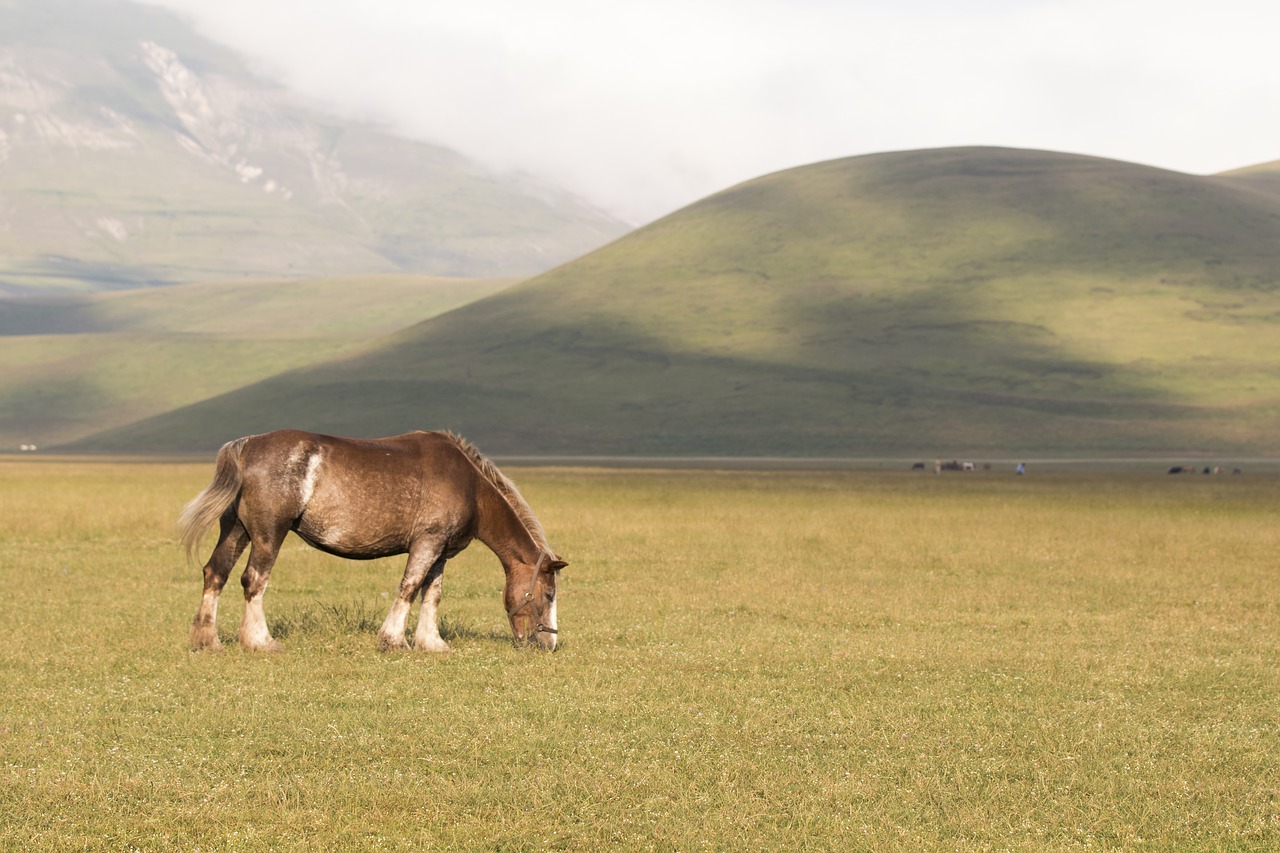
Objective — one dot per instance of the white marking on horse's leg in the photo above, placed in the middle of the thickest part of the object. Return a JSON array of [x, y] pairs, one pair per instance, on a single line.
[[391, 634], [427, 635], [254, 635], [204, 630]]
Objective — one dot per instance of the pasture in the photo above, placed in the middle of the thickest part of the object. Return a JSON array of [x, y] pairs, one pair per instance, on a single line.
[[816, 660]]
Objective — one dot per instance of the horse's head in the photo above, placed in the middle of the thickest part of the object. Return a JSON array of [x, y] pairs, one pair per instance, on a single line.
[[531, 601]]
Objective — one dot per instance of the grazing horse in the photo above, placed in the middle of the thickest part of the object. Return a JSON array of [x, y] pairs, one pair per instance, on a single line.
[[425, 494]]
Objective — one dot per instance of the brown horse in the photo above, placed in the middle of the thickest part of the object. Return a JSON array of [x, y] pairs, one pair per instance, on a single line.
[[427, 494]]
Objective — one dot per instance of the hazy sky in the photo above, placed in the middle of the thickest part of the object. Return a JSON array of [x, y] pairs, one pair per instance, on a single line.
[[643, 107]]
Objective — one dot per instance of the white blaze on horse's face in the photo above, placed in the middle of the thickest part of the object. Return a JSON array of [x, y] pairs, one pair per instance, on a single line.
[[531, 605]]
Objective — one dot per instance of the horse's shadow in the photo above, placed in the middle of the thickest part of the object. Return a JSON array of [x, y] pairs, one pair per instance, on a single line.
[[358, 618], [456, 629]]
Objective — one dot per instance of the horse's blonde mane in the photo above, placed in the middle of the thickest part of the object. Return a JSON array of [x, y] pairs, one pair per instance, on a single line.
[[505, 487]]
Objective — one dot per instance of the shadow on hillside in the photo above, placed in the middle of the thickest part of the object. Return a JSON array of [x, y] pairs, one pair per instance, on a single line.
[[55, 315]]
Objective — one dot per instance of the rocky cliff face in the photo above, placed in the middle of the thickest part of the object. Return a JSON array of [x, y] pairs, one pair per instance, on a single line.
[[132, 152]]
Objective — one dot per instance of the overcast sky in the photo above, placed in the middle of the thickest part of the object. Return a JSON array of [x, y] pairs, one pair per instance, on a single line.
[[643, 107]]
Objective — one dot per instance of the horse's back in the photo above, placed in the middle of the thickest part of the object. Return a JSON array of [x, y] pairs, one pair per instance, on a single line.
[[358, 497], [284, 451]]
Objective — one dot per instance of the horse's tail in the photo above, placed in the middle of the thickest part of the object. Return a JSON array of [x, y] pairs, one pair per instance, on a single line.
[[208, 506]]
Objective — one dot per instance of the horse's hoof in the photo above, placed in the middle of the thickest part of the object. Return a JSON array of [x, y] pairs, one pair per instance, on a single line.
[[436, 646], [391, 644], [205, 641], [270, 646]]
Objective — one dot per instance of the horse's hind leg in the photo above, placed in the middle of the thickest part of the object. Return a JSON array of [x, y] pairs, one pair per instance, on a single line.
[[254, 635], [232, 539], [425, 558]]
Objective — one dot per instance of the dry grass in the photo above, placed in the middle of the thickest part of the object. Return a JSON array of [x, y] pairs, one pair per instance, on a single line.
[[813, 661]]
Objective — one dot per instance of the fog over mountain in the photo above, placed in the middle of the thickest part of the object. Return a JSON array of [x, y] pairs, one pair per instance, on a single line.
[[135, 152], [645, 107]]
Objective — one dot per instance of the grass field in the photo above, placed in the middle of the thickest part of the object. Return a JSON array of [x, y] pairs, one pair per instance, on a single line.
[[748, 660]]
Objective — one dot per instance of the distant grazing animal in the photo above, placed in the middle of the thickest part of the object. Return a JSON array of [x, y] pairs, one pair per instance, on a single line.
[[1176, 469], [425, 494], [919, 466]]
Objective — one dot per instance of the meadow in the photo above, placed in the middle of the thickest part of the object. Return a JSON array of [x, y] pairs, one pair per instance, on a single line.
[[869, 660]]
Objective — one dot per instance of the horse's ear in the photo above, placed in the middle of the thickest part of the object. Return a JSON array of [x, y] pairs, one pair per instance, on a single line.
[[556, 565]]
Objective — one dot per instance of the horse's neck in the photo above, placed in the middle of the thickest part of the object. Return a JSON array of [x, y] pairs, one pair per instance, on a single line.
[[501, 529]]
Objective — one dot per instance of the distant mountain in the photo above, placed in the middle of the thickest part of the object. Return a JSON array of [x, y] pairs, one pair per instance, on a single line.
[[133, 152], [928, 302]]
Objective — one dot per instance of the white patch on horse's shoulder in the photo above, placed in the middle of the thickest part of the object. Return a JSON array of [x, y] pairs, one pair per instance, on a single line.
[[309, 480]]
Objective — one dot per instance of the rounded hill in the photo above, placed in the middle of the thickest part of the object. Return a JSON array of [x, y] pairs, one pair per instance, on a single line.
[[976, 299]]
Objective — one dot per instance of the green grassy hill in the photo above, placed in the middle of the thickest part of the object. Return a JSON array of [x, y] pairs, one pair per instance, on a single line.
[[988, 300], [74, 365], [1263, 177]]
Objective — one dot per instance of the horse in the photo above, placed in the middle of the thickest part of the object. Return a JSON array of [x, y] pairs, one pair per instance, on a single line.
[[425, 494]]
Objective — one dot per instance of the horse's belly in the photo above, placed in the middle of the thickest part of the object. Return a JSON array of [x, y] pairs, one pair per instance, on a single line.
[[355, 543]]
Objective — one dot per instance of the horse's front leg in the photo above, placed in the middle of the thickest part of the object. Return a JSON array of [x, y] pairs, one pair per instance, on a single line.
[[427, 635], [231, 542], [423, 560]]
